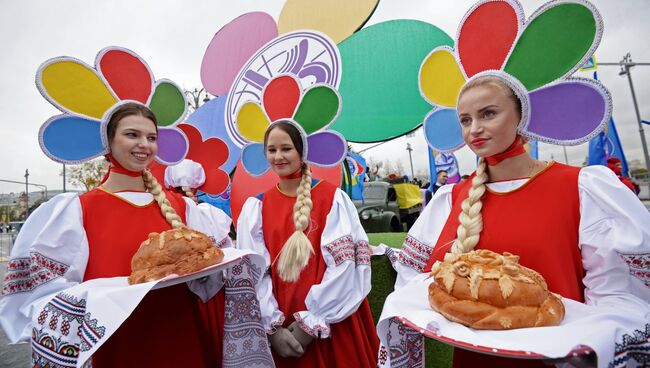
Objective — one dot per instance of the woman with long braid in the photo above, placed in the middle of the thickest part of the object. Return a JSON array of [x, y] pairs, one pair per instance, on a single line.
[[564, 222], [313, 295], [95, 234]]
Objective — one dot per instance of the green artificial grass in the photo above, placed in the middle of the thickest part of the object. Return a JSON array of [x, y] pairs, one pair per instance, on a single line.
[[437, 355]]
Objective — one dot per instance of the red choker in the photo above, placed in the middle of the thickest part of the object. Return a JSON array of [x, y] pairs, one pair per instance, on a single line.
[[295, 175], [515, 149], [117, 168]]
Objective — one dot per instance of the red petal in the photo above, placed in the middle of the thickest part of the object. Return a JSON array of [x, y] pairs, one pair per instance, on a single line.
[[127, 75], [486, 36], [281, 97]]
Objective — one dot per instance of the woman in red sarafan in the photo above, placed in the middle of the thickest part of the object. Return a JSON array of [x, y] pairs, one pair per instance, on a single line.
[[313, 295], [75, 238]]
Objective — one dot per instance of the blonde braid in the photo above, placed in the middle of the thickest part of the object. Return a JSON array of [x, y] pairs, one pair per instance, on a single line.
[[189, 193], [166, 208], [296, 252], [471, 220]]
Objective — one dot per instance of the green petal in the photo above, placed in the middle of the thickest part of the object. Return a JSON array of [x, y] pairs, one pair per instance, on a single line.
[[318, 108], [167, 103], [553, 44], [379, 84]]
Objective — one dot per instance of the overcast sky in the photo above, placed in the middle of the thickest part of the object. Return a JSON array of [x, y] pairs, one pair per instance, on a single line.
[[173, 35]]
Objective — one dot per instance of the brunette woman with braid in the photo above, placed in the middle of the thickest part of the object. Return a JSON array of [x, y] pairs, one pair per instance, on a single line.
[[313, 296], [95, 234], [570, 224]]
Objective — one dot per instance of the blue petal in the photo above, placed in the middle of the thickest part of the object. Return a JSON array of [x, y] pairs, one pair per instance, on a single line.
[[442, 130], [253, 159], [71, 139]]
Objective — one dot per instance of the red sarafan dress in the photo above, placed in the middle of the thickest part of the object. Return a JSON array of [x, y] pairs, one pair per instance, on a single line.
[[95, 235], [329, 299], [545, 245], [167, 328]]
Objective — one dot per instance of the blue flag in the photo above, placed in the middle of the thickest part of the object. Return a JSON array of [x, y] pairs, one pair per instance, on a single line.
[[606, 145], [443, 161], [432, 169], [534, 151], [358, 168]]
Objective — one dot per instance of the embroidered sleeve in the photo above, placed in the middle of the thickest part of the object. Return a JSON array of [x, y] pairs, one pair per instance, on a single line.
[[26, 274], [414, 253], [346, 281], [251, 237], [412, 258], [614, 240], [49, 255]]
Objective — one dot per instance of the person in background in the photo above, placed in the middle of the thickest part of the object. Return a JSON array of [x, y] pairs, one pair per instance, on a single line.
[[616, 166], [441, 179]]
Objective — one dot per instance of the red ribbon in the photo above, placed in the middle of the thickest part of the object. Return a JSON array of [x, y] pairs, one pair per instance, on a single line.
[[117, 168], [515, 149]]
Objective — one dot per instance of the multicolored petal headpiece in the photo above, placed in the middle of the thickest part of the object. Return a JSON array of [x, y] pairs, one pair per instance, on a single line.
[[534, 58], [310, 111], [88, 96]]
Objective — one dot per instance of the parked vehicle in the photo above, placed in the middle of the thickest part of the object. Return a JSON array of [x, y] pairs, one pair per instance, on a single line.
[[389, 207]]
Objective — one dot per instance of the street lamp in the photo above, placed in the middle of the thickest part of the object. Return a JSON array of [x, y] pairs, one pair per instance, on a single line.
[[409, 149], [626, 66], [194, 97], [26, 193]]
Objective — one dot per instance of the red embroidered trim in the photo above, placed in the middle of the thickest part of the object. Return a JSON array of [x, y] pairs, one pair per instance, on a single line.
[[363, 253], [274, 326], [414, 254], [639, 265], [26, 274], [317, 331], [342, 249]]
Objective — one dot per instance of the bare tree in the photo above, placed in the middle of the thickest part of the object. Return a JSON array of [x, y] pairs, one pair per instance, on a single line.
[[87, 175]]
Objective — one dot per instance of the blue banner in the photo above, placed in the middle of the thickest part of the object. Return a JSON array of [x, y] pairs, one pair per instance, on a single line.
[[606, 145], [358, 168], [443, 161], [534, 150]]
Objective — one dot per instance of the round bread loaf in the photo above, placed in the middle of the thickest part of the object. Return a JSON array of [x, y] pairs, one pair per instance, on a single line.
[[176, 251], [485, 290]]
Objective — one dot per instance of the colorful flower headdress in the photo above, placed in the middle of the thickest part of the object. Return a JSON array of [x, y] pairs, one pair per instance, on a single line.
[[311, 111], [88, 96], [534, 58]]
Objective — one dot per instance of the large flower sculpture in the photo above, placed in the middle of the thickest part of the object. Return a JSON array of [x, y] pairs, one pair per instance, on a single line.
[[312, 110], [534, 58], [211, 154], [88, 96]]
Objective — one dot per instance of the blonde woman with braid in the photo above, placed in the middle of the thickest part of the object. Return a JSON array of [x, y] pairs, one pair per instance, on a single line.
[[570, 224], [95, 234], [313, 296]]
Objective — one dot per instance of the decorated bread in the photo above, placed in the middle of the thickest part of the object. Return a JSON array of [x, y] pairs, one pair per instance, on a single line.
[[485, 290], [176, 251]]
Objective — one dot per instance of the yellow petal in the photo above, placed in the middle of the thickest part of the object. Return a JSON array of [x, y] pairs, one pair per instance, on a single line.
[[336, 18], [441, 78], [252, 122], [76, 87]]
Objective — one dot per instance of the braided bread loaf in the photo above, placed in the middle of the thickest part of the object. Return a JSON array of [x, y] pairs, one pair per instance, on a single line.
[[485, 290], [177, 251]]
